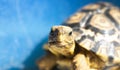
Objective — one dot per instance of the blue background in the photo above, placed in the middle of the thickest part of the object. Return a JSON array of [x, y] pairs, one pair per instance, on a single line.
[[25, 25]]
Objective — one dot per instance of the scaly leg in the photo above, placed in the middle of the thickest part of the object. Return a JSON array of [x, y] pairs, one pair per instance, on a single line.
[[47, 62], [80, 62]]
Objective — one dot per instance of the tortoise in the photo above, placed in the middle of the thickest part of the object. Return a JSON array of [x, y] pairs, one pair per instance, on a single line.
[[89, 39]]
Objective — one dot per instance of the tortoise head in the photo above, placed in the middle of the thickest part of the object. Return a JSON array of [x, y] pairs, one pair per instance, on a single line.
[[61, 41]]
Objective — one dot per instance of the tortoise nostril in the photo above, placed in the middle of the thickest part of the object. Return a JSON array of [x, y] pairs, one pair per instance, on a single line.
[[54, 33], [53, 37]]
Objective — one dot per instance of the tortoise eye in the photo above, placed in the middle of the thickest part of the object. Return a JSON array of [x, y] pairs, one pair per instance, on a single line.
[[70, 33]]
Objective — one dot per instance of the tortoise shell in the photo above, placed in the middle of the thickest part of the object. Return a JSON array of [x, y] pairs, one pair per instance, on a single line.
[[97, 28]]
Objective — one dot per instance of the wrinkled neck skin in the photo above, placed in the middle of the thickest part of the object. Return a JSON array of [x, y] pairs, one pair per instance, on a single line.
[[66, 50]]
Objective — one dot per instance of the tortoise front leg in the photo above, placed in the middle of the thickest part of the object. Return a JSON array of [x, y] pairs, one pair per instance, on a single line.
[[47, 62], [65, 64], [80, 62]]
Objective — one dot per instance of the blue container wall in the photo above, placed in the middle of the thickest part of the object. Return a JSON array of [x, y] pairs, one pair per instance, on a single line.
[[25, 25]]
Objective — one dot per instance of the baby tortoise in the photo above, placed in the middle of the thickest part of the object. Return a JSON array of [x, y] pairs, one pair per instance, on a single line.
[[89, 39]]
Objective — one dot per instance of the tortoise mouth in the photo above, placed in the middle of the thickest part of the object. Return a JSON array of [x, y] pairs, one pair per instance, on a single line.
[[54, 42], [57, 43]]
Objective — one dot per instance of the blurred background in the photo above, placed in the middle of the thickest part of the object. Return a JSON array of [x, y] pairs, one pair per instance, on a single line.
[[25, 25]]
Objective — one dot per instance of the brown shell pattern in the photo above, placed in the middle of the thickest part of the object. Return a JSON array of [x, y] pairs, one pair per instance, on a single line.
[[98, 27]]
